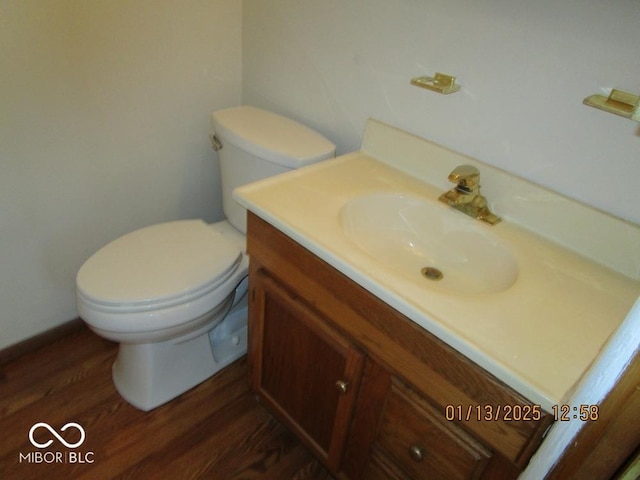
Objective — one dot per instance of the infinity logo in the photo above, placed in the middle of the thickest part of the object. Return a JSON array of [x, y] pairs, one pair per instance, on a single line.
[[55, 434]]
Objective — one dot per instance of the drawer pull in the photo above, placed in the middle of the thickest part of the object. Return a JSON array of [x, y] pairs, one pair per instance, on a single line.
[[342, 386], [416, 452]]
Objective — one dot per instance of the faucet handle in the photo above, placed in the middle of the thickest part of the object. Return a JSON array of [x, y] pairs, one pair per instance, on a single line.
[[465, 176]]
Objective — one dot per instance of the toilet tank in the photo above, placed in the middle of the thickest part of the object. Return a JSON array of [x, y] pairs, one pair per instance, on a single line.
[[257, 144]]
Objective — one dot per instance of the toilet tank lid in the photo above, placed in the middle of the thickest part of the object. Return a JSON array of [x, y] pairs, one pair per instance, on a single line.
[[270, 136]]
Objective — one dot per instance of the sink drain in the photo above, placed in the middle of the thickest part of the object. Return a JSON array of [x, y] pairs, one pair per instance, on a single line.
[[431, 273]]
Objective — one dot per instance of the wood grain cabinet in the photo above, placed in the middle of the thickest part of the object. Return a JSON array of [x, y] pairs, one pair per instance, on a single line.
[[303, 370], [414, 436], [373, 395]]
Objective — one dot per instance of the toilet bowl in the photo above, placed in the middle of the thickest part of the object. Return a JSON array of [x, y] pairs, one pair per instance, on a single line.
[[173, 295], [178, 281]]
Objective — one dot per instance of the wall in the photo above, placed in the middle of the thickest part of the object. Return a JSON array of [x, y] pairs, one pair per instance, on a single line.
[[524, 67], [103, 129]]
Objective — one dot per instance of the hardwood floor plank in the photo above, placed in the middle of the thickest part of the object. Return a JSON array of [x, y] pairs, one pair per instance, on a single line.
[[214, 431], [41, 375], [63, 354], [57, 408], [204, 448], [130, 443]]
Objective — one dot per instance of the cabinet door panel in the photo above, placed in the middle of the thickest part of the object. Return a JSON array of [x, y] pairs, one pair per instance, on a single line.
[[300, 363]]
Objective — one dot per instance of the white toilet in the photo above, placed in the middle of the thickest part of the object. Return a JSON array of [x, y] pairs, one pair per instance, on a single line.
[[173, 294]]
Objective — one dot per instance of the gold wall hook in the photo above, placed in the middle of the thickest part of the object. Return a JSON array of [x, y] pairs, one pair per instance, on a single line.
[[620, 103], [440, 83]]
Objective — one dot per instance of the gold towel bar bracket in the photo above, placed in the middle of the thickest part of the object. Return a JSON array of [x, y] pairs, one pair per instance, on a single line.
[[440, 83], [620, 103]]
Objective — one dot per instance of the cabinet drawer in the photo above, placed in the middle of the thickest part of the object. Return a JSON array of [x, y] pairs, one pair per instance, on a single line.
[[423, 444]]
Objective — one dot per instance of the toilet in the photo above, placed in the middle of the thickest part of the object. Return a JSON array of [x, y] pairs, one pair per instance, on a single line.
[[173, 295]]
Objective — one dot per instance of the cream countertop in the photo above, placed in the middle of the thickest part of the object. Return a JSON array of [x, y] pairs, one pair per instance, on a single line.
[[538, 336]]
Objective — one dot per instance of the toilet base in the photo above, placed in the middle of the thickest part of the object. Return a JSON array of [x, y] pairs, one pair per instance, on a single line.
[[150, 374]]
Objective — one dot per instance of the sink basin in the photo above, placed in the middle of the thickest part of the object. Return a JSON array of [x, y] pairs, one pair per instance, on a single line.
[[428, 243]]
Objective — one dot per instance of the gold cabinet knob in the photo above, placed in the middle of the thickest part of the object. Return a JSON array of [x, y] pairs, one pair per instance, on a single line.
[[416, 452], [342, 386]]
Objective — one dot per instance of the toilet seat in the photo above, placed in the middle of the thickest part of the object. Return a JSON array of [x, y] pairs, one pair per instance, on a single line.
[[165, 273]]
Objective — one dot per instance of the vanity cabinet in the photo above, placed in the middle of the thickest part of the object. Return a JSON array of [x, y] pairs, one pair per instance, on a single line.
[[372, 394]]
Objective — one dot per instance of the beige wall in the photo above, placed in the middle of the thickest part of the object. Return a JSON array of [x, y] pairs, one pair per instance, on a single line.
[[104, 117]]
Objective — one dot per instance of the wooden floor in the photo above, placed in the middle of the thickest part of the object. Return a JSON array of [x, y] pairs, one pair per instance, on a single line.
[[215, 431]]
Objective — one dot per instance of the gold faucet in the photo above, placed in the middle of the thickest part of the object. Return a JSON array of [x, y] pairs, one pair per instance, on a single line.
[[466, 197]]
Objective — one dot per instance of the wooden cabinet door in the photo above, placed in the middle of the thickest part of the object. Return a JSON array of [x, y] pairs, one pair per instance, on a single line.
[[303, 370]]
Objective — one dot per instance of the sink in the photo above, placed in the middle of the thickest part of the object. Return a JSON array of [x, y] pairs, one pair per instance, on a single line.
[[429, 243]]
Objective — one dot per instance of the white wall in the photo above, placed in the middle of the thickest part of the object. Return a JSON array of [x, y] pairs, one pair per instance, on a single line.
[[524, 67], [104, 117]]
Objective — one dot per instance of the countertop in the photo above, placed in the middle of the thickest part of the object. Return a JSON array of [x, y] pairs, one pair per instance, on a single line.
[[538, 336]]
